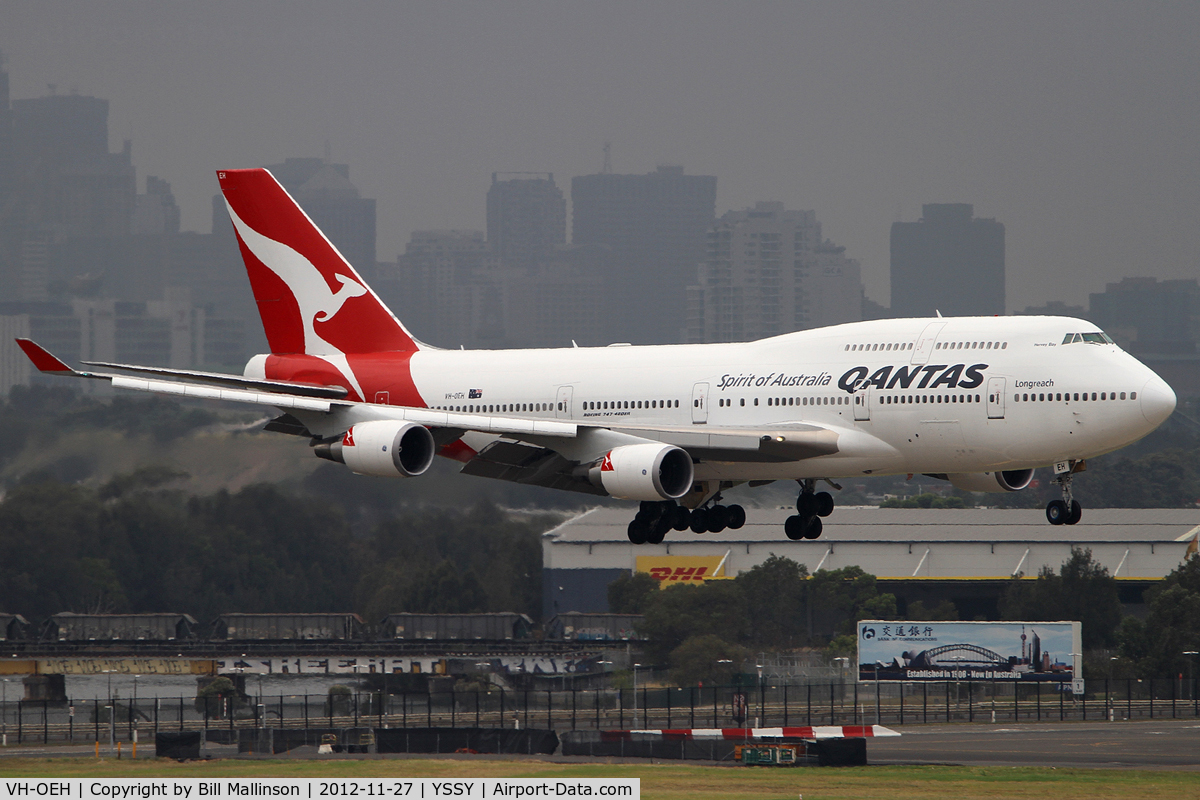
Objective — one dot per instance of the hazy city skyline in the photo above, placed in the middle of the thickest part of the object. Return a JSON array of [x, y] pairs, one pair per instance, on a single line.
[[1072, 123]]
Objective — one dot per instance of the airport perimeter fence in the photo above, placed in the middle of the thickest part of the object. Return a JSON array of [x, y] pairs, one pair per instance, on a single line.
[[646, 708]]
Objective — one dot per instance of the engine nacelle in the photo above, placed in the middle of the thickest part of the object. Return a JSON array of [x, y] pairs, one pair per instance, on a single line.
[[383, 447], [1012, 480], [644, 472]]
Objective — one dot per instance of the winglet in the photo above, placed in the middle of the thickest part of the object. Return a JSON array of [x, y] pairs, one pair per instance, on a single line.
[[43, 359]]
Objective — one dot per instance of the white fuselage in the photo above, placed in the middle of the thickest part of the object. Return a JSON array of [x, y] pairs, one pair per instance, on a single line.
[[965, 394]]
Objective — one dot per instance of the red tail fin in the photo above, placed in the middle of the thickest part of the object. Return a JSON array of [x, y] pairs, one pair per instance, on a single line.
[[310, 299]]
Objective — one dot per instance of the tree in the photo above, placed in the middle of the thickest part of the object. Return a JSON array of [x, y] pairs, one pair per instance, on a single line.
[[678, 613], [631, 593], [775, 593], [944, 610], [700, 659], [1172, 624], [219, 698], [842, 597], [1083, 591]]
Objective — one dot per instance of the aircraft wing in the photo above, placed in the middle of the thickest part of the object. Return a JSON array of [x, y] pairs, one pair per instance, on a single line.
[[547, 447]]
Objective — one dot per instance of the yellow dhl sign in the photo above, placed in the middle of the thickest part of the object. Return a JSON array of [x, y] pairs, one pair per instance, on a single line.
[[682, 569]]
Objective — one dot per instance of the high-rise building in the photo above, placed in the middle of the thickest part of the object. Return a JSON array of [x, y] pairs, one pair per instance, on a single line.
[[949, 262], [1146, 315], [155, 212], [326, 194], [768, 271], [445, 287], [73, 185], [526, 218], [652, 230]]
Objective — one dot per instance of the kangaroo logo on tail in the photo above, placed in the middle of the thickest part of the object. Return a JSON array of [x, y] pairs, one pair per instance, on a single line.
[[310, 299]]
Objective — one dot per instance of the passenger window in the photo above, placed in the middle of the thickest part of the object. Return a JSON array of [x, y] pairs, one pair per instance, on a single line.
[[743, 401], [1133, 395], [1122, 395]]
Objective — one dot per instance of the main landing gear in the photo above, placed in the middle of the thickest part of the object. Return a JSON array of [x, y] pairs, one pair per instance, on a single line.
[[654, 519], [811, 505], [1066, 511]]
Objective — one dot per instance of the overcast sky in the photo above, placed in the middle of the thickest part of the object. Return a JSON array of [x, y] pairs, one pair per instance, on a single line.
[[1076, 124]]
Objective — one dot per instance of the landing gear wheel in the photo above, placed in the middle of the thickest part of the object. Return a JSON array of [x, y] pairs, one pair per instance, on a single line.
[[657, 533], [699, 520], [807, 504], [639, 531], [680, 518], [1076, 513], [718, 519], [737, 517], [1056, 512], [813, 529], [824, 503], [793, 527]]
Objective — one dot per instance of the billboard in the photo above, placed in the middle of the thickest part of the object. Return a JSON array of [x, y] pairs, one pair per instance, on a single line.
[[975, 651]]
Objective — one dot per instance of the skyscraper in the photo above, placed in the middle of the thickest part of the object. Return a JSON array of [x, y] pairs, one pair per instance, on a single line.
[[326, 194], [652, 230], [767, 272], [949, 262], [526, 218]]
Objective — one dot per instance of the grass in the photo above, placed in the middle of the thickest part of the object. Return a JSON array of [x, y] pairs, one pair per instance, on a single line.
[[670, 781]]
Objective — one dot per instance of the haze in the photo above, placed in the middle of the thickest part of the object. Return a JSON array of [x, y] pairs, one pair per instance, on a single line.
[[1073, 123]]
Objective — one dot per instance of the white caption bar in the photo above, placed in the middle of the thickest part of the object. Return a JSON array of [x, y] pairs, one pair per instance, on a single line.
[[415, 788]]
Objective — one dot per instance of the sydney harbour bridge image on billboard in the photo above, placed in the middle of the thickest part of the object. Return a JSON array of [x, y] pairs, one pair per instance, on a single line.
[[942, 651]]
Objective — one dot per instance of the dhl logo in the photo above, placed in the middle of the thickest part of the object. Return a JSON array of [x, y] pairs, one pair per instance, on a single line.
[[665, 574], [682, 569]]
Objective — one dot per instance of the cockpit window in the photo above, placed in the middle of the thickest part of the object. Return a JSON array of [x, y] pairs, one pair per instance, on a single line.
[[1094, 338]]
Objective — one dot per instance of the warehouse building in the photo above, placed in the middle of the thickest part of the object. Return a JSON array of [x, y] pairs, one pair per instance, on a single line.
[[967, 556]]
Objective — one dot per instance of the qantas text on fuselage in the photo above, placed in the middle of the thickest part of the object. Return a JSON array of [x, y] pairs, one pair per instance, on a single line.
[[979, 401]]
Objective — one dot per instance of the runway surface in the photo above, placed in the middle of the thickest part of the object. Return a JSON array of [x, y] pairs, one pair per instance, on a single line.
[[1158, 744]]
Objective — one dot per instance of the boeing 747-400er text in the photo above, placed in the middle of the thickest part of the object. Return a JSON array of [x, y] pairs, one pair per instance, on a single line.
[[978, 401]]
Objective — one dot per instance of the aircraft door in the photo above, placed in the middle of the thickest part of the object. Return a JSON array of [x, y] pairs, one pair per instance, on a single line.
[[995, 404], [925, 342], [700, 404], [562, 407], [862, 403]]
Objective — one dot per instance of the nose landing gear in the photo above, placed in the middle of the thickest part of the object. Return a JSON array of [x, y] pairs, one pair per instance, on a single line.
[[811, 505], [1066, 511]]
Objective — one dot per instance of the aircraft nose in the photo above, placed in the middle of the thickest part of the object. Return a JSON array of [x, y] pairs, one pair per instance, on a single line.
[[1157, 400]]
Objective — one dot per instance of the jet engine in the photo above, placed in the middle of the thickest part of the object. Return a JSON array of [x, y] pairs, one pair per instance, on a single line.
[[383, 447], [649, 471], [1012, 480]]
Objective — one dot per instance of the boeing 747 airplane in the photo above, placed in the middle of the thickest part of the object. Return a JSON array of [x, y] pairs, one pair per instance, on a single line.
[[978, 401]]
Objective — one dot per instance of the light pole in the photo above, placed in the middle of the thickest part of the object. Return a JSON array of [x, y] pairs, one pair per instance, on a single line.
[[635, 707], [762, 692], [4, 712], [133, 709], [1191, 662]]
